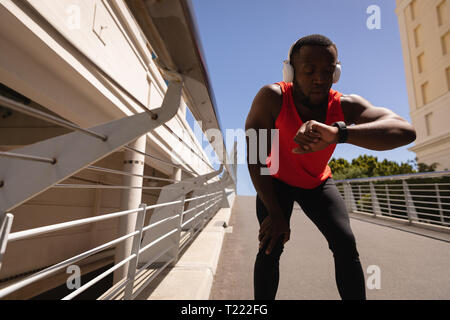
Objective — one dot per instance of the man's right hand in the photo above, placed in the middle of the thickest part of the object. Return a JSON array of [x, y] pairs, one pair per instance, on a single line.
[[271, 230]]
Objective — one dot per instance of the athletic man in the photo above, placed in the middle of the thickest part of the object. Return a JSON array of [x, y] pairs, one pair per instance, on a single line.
[[311, 119]]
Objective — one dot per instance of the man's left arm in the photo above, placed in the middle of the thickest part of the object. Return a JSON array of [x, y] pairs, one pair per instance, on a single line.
[[375, 128]]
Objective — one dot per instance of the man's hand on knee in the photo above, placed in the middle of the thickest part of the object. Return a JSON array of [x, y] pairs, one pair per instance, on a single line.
[[271, 230]]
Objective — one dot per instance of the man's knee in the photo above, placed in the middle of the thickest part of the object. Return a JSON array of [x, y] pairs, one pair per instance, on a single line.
[[275, 254]]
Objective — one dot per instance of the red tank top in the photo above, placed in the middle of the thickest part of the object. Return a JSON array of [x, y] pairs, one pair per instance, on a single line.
[[308, 170]]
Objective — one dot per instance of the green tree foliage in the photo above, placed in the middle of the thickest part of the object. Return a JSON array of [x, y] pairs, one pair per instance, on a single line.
[[368, 166]]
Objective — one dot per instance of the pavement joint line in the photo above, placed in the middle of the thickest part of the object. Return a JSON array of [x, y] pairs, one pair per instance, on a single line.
[[193, 267]]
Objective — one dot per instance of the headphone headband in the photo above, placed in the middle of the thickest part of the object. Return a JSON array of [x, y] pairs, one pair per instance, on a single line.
[[288, 69]]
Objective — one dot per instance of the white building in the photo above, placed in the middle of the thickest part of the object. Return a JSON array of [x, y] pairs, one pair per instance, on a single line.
[[425, 36], [94, 63]]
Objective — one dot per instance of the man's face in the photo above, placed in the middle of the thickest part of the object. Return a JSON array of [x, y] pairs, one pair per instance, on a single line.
[[313, 68]]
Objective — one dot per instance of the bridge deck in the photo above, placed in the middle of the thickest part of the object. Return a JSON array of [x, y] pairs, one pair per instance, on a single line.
[[414, 263]]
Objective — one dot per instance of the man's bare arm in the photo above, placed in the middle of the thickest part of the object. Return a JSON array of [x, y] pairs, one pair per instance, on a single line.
[[375, 128], [260, 117]]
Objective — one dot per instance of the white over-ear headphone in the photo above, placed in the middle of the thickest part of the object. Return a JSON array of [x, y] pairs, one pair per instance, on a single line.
[[288, 69]]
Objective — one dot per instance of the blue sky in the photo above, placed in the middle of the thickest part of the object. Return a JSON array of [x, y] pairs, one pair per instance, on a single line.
[[245, 41]]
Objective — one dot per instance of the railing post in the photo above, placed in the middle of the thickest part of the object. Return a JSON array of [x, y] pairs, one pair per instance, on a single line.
[[5, 227], [360, 201], [375, 203], [210, 210], [176, 250], [349, 198], [216, 207], [438, 198], [199, 225], [135, 250], [410, 209], [388, 199]]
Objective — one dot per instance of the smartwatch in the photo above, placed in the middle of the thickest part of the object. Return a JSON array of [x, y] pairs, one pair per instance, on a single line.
[[342, 133]]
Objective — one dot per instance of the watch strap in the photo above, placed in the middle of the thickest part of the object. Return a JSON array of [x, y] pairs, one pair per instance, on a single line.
[[342, 133]]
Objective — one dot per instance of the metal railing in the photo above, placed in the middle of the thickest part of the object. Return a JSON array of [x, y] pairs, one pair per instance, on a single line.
[[420, 197], [188, 222], [207, 200], [204, 210], [27, 171]]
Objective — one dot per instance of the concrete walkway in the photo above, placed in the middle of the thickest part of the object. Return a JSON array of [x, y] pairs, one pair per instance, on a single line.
[[413, 263]]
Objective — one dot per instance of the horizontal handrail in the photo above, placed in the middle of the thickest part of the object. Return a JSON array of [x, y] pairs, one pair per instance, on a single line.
[[151, 244], [20, 235], [425, 190], [103, 186], [55, 268], [206, 195], [160, 160], [428, 184], [60, 226], [17, 106], [195, 216], [421, 202], [415, 206], [400, 176], [159, 222], [390, 198], [205, 201], [128, 173], [383, 186], [378, 185], [46, 272], [27, 157], [65, 225], [191, 209], [176, 215], [98, 278]]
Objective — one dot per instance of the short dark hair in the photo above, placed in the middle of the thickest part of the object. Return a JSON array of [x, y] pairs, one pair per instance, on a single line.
[[311, 40]]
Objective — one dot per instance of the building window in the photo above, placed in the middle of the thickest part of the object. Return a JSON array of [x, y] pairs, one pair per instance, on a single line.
[[445, 42], [413, 9], [441, 13], [420, 62], [428, 122], [447, 72], [417, 35], [424, 89]]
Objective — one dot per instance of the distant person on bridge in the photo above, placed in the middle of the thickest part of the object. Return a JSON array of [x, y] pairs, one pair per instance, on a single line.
[[311, 119]]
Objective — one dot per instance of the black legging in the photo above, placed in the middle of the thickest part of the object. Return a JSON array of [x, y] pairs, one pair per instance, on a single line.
[[326, 209]]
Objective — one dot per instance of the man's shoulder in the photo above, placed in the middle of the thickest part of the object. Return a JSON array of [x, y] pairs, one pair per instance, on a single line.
[[270, 97], [265, 107], [351, 99], [351, 105], [271, 91]]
